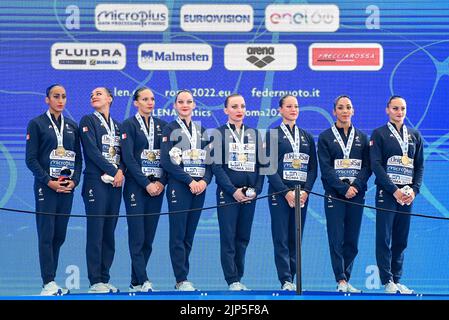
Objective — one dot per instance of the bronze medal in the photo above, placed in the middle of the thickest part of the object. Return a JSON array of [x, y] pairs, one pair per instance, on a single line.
[[151, 156], [194, 154], [112, 151], [296, 163], [405, 160], [242, 157], [60, 151], [346, 163]]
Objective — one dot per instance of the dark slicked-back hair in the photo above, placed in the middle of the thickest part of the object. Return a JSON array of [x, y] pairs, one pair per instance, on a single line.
[[231, 96], [48, 90]]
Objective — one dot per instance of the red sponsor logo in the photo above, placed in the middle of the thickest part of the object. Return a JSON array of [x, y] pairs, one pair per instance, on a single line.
[[346, 56], [123, 136], [28, 136], [85, 129]]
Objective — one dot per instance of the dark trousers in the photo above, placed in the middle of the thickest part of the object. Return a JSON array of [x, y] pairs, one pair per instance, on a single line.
[[100, 199], [182, 226], [343, 229], [141, 229], [283, 231], [235, 222], [391, 236], [51, 230]]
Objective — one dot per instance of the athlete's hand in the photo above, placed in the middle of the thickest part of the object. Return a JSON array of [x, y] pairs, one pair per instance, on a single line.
[[399, 196], [59, 186], [160, 187], [303, 198], [118, 179], [290, 197], [202, 186], [152, 189], [409, 199], [239, 196], [194, 187], [351, 193]]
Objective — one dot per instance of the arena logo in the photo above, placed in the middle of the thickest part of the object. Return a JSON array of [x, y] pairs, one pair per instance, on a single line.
[[254, 52], [185, 56], [217, 18], [131, 17], [346, 56], [260, 57], [302, 18], [88, 56]]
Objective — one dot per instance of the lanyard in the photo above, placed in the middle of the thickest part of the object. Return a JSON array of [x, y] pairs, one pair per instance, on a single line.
[[294, 143], [192, 137], [110, 130], [346, 149], [149, 135], [403, 143], [240, 142], [58, 133]]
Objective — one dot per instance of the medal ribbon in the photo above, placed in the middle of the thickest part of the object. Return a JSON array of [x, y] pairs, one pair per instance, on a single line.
[[58, 133], [294, 143], [192, 137], [346, 149], [149, 135], [402, 143], [110, 130]]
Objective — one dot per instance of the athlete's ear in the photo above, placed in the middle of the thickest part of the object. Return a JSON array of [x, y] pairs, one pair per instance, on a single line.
[[47, 101]]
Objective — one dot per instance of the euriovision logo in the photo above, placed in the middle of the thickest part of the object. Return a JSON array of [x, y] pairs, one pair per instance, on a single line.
[[345, 56], [131, 17], [217, 18], [302, 18], [179, 56], [260, 57], [88, 56]]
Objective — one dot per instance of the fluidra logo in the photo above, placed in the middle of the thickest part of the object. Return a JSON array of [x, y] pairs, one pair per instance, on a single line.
[[255, 52], [73, 52], [141, 18]]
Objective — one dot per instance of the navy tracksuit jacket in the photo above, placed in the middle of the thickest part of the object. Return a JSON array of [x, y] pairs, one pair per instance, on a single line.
[[282, 216], [182, 226], [99, 198], [343, 219], [51, 230], [392, 229], [235, 221], [141, 229]]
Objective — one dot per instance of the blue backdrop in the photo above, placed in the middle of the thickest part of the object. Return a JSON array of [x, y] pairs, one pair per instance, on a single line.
[[413, 35]]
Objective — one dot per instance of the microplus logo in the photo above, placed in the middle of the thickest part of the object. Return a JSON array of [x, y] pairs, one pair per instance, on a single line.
[[131, 17], [302, 18], [217, 18], [88, 56], [174, 56], [260, 57]]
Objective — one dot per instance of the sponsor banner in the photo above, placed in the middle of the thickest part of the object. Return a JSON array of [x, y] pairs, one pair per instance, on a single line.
[[260, 57], [88, 56], [131, 17], [302, 18], [175, 56], [217, 18], [346, 56]]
